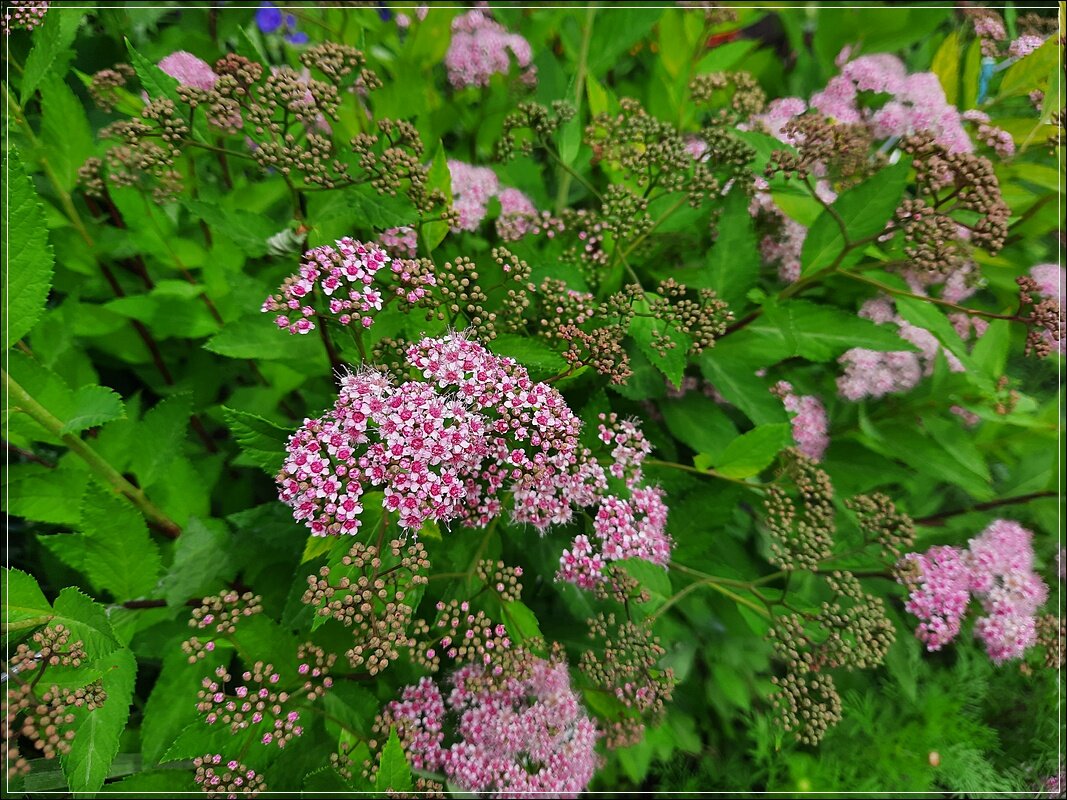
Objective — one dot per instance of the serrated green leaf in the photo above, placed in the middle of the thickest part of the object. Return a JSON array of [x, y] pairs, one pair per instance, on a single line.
[[262, 442], [733, 262], [92, 406], [87, 621], [201, 563], [520, 621], [652, 577], [65, 133], [439, 178], [752, 452], [158, 84], [120, 556], [864, 209], [646, 331], [171, 707], [165, 425], [534, 354], [37, 493], [96, 737], [394, 772], [52, 49], [699, 423], [24, 605], [821, 332], [256, 336], [27, 253]]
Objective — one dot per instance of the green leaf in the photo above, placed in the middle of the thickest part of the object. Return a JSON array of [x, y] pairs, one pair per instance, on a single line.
[[86, 408], [1031, 72], [534, 354], [946, 66], [864, 210], [171, 706], [52, 49], [120, 556], [165, 425], [92, 406], [27, 254], [699, 423], [651, 576], [66, 136], [96, 738], [201, 564], [256, 336], [158, 84], [520, 621], [25, 605], [926, 455], [245, 229], [37, 493], [394, 772], [739, 385], [378, 211], [821, 333], [927, 315], [752, 452], [433, 233], [262, 442], [733, 263], [614, 32], [158, 782], [87, 621], [646, 331]]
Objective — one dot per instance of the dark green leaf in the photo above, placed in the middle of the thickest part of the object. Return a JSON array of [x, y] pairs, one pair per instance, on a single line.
[[27, 254], [864, 210]]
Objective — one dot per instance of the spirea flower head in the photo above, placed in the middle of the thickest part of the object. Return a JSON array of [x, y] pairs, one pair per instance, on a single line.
[[1002, 578], [189, 70], [506, 736], [939, 591], [336, 281], [472, 189], [996, 569], [808, 419], [481, 48], [451, 445]]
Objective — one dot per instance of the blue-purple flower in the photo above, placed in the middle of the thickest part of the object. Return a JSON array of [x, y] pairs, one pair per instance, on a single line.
[[272, 19]]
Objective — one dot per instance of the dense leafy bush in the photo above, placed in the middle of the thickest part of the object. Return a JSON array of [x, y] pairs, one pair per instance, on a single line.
[[509, 400]]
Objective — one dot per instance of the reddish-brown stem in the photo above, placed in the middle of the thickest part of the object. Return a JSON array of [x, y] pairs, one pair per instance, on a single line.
[[938, 519]]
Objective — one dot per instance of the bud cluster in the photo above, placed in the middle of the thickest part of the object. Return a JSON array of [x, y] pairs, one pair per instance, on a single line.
[[367, 592]]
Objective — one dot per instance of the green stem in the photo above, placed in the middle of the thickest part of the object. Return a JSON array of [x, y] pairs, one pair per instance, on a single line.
[[22, 400], [579, 89]]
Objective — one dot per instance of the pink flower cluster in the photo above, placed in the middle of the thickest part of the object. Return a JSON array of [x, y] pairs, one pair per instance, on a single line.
[[447, 447], [916, 103], [189, 70], [808, 418], [874, 374], [348, 279], [997, 569], [481, 48], [472, 189], [399, 242], [633, 527], [513, 736], [940, 592]]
